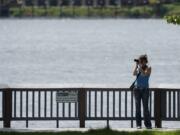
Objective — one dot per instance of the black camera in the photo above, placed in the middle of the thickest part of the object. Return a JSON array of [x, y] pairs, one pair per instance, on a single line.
[[136, 60]]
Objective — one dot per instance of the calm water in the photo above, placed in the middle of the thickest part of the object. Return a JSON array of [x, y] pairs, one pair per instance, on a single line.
[[87, 51]]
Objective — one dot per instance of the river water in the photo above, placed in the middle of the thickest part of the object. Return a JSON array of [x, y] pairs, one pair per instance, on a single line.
[[88, 51]]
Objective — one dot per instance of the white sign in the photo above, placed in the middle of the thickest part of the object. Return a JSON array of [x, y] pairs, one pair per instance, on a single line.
[[67, 96]]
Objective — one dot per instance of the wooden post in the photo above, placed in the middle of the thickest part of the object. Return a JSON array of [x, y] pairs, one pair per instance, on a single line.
[[163, 104], [82, 107], [178, 103], [157, 109], [7, 107]]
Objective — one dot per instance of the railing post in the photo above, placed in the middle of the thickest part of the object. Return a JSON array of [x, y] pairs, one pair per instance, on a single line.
[[163, 104], [157, 109], [7, 107], [82, 107]]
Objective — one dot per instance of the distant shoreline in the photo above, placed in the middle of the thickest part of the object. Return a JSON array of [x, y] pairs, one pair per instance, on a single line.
[[137, 12]]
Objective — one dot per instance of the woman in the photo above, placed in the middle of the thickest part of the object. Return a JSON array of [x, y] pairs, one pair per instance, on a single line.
[[141, 90]]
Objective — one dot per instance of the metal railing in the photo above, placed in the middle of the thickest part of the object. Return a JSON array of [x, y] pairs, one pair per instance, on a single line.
[[36, 104]]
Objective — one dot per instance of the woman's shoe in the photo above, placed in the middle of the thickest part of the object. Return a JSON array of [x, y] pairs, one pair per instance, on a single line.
[[148, 127], [139, 127]]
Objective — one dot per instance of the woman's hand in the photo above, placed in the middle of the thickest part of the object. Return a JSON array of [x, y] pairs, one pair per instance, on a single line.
[[135, 72]]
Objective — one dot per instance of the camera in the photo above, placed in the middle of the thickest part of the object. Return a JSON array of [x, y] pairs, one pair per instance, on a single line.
[[136, 60]]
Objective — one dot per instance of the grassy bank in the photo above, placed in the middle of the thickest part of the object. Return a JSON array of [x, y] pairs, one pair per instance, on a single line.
[[148, 11], [99, 132]]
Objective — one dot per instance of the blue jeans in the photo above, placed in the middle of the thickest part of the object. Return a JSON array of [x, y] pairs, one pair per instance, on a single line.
[[142, 94]]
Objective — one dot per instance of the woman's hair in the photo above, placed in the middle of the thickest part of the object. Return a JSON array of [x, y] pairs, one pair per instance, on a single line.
[[143, 58]]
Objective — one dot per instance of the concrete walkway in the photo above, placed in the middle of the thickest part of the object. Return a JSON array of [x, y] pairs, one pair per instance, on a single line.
[[79, 129]]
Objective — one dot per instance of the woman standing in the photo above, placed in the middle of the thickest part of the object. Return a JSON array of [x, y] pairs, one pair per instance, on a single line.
[[141, 90]]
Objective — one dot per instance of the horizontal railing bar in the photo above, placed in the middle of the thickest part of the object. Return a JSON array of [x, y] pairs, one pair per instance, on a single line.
[[123, 89], [55, 89], [87, 89], [164, 89], [171, 119], [112, 118], [86, 118], [45, 118], [92, 118], [44, 89]]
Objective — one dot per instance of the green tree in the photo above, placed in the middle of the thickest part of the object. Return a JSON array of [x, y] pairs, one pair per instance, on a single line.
[[174, 19]]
